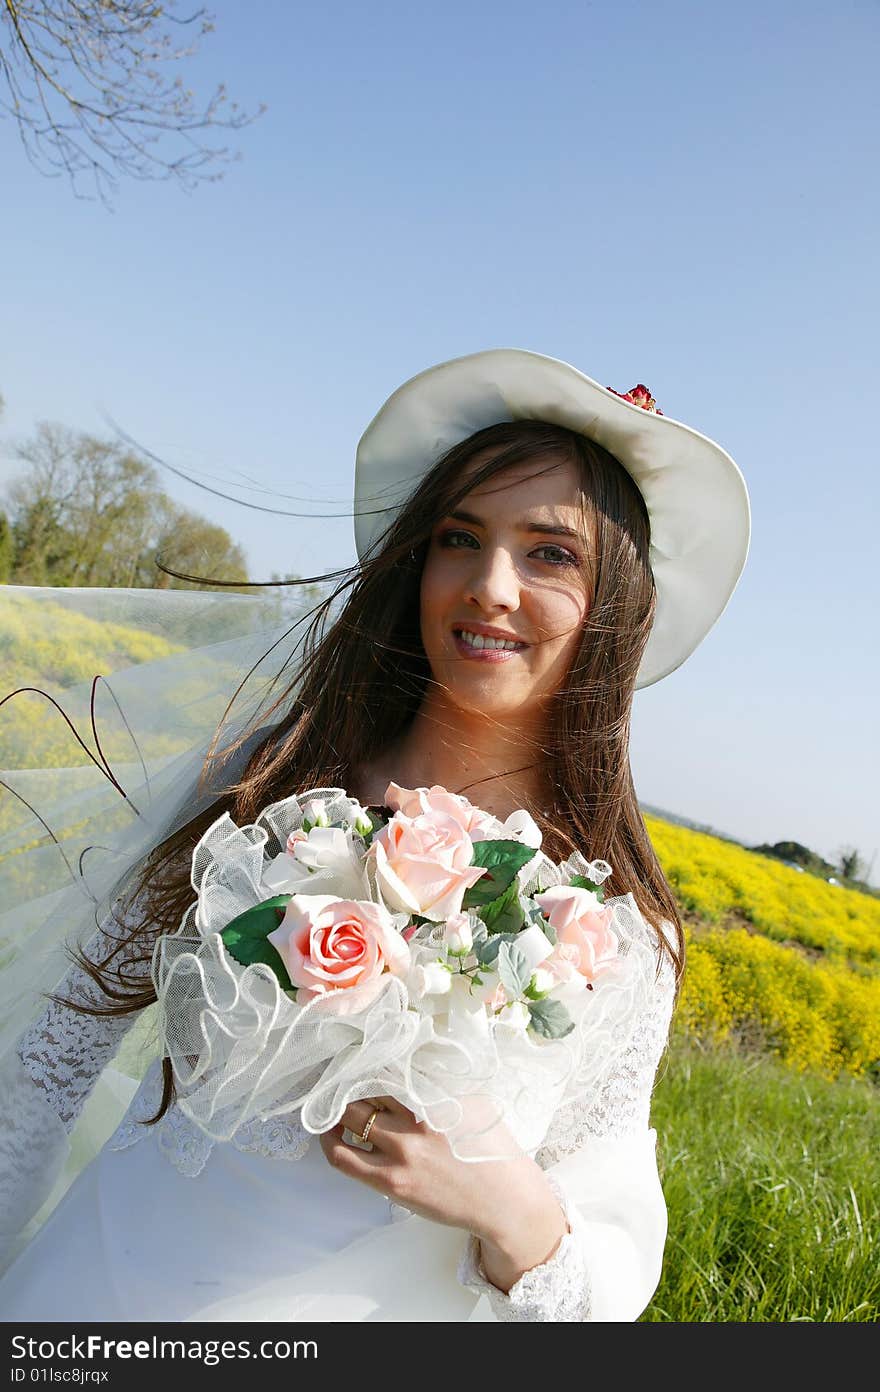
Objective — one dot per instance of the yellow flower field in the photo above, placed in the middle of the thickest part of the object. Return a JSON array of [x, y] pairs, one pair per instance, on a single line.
[[778, 961], [60, 650]]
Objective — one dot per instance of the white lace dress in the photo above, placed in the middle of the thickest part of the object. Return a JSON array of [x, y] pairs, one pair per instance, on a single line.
[[166, 1225]]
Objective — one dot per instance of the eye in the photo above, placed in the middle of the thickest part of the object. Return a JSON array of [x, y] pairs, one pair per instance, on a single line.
[[560, 556], [455, 537]]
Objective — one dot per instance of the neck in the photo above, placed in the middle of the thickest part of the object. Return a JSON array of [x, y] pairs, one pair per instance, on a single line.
[[498, 764]]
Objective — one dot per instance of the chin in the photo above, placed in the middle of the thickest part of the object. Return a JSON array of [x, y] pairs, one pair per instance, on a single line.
[[495, 704]]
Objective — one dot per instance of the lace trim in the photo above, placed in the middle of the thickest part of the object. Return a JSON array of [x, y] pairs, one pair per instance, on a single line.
[[624, 1104], [33, 1149], [186, 1146], [557, 1290], [64, 1051]]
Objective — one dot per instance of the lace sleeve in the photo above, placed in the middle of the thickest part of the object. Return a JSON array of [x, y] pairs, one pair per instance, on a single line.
[[601, 1164], [64, 1051], [47, 1077]]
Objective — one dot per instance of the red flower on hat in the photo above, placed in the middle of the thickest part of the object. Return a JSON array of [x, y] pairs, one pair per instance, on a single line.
[[639, 396]]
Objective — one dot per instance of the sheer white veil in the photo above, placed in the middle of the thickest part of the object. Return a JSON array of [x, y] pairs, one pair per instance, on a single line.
[[72, 830]]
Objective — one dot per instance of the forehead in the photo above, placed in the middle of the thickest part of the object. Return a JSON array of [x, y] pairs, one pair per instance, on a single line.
[[544, 482]]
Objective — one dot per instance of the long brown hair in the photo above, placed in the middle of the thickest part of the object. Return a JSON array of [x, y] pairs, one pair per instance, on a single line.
[[364, 674]]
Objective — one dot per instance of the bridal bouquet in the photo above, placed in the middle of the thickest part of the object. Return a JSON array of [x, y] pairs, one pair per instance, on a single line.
[[427, 951]]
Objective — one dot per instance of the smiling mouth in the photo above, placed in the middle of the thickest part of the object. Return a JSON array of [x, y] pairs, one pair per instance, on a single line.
[[479, 642]]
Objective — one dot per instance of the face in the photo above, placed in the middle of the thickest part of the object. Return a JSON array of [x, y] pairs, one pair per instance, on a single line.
[[507, 564]]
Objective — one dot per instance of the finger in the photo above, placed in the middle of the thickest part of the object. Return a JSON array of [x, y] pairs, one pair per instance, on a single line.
[[357, 1114], [391, 1104], [369, 1166]]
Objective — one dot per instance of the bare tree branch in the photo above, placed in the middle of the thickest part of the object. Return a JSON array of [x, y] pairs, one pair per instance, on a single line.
[[87, 83]]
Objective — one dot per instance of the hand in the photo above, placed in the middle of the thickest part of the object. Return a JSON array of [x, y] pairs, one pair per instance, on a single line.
[[507, 1203]]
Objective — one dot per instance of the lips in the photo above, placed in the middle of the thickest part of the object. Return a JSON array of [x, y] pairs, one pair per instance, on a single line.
[[486, 654], [485, 631]]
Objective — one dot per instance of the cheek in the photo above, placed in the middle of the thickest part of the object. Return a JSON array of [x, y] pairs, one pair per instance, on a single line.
[[436, 593], [560, 616]]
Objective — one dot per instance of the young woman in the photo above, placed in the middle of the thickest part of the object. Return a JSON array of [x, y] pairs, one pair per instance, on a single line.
[[533, 548]]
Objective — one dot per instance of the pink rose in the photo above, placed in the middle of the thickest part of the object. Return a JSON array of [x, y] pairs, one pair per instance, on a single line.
[[584, 937], [330, 944], [423, 864], [479, 825], [414, 802], [562, 966]]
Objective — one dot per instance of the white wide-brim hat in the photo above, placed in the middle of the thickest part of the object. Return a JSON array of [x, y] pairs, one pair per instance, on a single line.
[[696, 497]]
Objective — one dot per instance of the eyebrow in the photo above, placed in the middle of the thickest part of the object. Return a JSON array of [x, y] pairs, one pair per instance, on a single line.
[[541, 528]]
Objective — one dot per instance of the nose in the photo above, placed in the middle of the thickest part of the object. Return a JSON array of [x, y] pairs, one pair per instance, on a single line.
[[493, 584]]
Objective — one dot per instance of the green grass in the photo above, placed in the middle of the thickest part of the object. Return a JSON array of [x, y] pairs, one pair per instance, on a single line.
[[772, 1182]]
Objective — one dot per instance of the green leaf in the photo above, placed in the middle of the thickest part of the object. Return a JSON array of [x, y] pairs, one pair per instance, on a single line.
[[532, 994], [487, 952], [377, 823], [504, 914], [246, 938], [581, 882], [502, 860], [536, 915], [479, 932], [550, 1019], [514, 969]]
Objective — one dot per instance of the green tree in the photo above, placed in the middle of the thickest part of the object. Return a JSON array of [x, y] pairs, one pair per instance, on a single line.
[[852, 863], [90, 512], [41, 546], [194, 546], [7, 549]]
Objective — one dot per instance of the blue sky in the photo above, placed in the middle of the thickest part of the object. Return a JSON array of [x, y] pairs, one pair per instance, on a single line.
[[678, 194]]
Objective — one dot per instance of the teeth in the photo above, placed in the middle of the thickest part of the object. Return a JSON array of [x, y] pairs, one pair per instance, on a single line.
[[478, 640]]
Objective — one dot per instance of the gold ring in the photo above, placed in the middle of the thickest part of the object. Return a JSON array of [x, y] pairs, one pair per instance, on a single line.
[[366, 1131]]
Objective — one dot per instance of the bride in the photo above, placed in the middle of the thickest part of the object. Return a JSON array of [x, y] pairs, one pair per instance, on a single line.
[[533, 548]]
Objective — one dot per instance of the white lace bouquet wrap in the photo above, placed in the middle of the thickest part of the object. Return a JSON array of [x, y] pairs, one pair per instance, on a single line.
[[435, 955]]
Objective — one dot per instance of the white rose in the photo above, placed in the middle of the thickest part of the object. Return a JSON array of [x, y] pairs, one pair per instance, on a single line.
[[315, 812], [543, 981], [430, 980], [324, 862], [458, 935], [515, 1016], [323, 847], [358, 817]]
